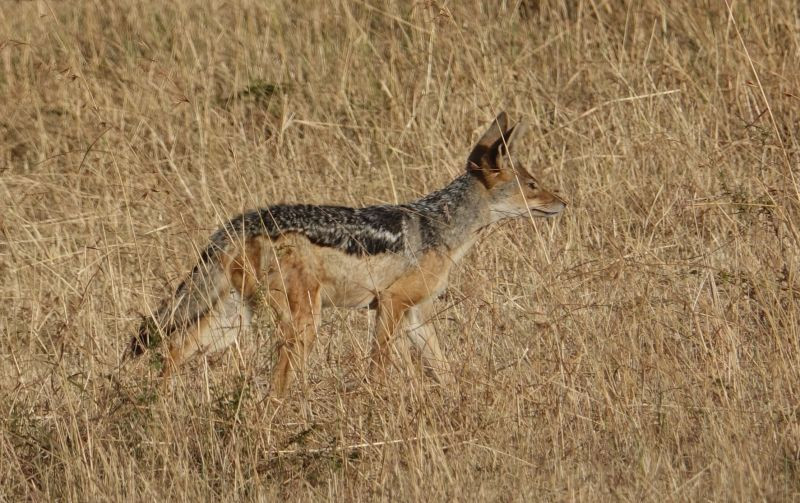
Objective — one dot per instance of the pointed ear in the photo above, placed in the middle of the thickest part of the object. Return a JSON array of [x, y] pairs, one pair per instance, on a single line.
[[498, 126], [488, 140], [505, 144], [516, 132]]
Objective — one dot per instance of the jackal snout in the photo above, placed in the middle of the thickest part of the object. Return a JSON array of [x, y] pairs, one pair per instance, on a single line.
[[541, 202]]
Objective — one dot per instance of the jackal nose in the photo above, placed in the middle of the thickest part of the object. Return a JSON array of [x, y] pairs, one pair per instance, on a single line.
[[558, 206]]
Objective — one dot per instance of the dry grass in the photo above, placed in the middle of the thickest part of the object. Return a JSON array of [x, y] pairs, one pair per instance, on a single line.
[[642, 346]]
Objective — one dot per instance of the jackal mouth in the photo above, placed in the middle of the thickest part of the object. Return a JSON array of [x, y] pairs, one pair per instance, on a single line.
[[544, 213], [550, 210]]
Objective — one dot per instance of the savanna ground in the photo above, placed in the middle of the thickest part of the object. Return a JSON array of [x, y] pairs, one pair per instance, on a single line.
[[643, 345]]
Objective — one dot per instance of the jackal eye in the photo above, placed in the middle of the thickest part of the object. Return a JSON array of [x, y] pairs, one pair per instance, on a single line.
[[532, 185]]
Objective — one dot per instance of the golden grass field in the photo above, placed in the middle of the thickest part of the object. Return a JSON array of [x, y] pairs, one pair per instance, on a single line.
[[641, 346]]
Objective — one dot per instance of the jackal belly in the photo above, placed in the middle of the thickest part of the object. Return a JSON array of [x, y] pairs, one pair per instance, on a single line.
[[350, 281], [345, 280]]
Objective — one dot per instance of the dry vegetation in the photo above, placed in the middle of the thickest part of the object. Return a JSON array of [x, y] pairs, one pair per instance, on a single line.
[[644, 345]]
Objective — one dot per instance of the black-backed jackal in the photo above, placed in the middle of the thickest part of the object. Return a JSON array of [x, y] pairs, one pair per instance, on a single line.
[[395, 259]]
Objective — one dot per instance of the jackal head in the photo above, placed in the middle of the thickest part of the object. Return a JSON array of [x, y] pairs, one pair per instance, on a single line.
[[513, 191]]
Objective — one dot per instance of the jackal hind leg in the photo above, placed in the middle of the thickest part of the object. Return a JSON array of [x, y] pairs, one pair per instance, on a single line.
[[229, 316], [295, 298]]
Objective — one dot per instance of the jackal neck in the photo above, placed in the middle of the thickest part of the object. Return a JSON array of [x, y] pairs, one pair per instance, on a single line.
[[452, 216]]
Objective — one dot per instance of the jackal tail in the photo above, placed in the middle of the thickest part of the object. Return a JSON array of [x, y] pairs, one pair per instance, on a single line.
[[198, 297]]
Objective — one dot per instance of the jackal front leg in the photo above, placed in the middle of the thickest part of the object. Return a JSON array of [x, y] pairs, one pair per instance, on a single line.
[[390, 312], [421, 333]]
